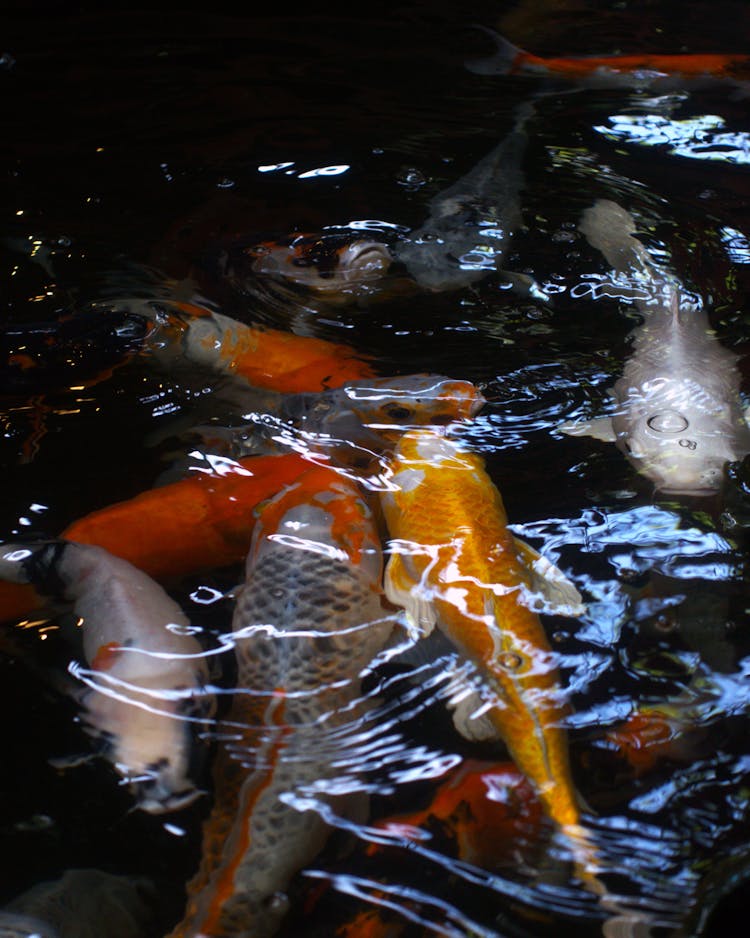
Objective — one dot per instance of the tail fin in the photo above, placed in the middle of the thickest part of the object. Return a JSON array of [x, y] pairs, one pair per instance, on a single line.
[[501, 62], [609, 228]]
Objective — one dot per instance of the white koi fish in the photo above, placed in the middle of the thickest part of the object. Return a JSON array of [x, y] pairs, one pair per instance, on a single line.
[[678, 416], [146, 673]]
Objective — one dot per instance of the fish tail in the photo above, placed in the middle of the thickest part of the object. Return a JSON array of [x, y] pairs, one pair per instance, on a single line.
[[610, 228], [35, 564], [506, 59]]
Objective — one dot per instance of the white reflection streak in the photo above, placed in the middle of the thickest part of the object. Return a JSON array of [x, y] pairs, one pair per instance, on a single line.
[[694, 137]]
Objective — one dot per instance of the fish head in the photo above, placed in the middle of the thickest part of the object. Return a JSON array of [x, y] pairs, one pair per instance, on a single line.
[[327, 263], [152, 736], [680, 435], [390, 406]]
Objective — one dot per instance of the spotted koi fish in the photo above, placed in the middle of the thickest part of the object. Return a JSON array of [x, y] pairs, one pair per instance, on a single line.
[[146, 672], [656, 72], [308, 620], [327, 263]]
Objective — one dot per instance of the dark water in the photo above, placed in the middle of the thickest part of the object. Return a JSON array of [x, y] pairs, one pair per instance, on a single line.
[[132, 144]]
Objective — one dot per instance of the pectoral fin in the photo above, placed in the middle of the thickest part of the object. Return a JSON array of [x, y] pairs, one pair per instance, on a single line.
[[559, 596], [400, 586], [600, 428], [471, 719]]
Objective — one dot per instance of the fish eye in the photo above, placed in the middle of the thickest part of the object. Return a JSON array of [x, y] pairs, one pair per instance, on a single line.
[[398, 411]]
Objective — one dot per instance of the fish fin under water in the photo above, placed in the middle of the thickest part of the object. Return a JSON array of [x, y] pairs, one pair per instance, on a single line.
[[502, 61], [399, 583], [558, 593], [600, 428]]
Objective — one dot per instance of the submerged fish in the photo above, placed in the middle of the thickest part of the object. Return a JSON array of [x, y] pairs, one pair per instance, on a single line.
[[360, 414], [309, 618], [335, 265], [146, 672], [471, 224], [82, 903], [455, 564], [640, 71], [678, 416]]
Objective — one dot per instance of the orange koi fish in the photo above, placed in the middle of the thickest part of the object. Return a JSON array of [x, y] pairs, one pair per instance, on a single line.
[[146, 673], [201, 522], [617, 71], [266, 358], [483, 807], [455, 564], [308, 620]]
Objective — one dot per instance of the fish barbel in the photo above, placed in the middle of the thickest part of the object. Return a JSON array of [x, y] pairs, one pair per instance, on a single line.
[[455, 564], [309, 618], [146, 673]]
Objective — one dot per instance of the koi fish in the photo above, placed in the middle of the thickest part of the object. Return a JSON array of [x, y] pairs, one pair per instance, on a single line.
[[471, 224], [639, 71], [328, 263], [146, 673], [358, 414], [678, 416], [198, 523], [79, 903], [454, 564], [483, 807], [309, 618], [265, 358]]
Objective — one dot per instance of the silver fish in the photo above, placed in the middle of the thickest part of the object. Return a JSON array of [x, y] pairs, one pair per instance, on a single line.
[[678, 415], [146, 672], [471, 224], [309, 619]]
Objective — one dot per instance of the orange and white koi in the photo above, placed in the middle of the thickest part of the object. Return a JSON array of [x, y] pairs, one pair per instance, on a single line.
[[309, 618], [146, 671], [644, 70], [266, 358], [328, 263]]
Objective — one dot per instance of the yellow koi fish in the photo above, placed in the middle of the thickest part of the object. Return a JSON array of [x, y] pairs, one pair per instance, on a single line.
[[308, 620], [456, 565]]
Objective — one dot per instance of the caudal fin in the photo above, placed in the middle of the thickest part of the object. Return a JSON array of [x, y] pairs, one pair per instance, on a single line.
[[501, 62]]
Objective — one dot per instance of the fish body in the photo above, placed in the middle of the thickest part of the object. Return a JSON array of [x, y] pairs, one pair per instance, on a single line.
[[640, 71], [361, 418], [334, 265], [455, 564], [146, 673], [471, 224], [678, 416], [308, 620], [265, 358], [197, 523]]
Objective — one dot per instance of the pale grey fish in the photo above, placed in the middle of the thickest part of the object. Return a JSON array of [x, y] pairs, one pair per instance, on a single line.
[[146, 672], [358, 418], [678, 415], [83, 903], [309, 620], [471, 223]]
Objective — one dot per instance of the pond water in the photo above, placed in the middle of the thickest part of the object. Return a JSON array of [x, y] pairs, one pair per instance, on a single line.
[[136, 145]]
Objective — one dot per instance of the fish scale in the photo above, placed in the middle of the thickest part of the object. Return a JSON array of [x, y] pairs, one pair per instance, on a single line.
[[308, 620]]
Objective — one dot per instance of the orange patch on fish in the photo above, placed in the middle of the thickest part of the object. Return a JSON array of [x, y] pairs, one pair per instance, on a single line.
[[106, 656], [201, 522]]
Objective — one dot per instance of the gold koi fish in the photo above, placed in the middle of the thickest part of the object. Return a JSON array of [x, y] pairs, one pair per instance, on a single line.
[[308, 620], [456, 565]]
